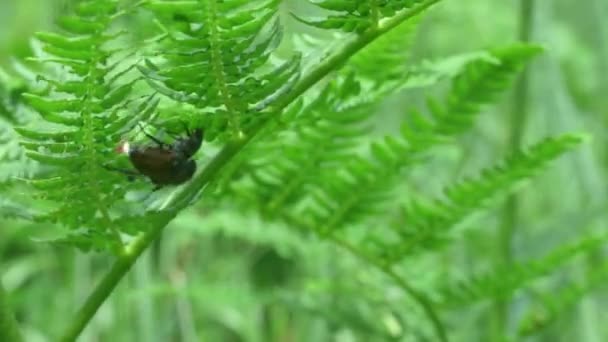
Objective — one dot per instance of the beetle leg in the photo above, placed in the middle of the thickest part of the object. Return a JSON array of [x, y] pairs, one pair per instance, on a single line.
[[173, 135], [153, 138]]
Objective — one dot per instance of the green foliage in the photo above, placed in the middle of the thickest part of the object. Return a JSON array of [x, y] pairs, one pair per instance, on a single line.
[[503, 281], [84, 97], [322, 133], [552, 305], [8, 325], [295, 163], [428, 223], [10, 97], [387, 57], [360, 15], [326, 137], [215, 56], [374, 177]]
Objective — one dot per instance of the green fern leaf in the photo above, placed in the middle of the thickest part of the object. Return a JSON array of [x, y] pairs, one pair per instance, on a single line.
[[322, 133], [11, 91], [360, 15], [83, 115], [367, 183], [216, 57], [554, 304], [503, 282], [423, 224], [480, 83], [387, 57]]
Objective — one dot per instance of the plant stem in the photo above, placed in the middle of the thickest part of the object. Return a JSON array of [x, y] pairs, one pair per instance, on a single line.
[[9, 330], [146, 313], [510, 219], [109, 282], [422, 300], [187, 194]]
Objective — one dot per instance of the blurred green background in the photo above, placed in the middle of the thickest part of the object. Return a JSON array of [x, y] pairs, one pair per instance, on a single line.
[[227, 277]]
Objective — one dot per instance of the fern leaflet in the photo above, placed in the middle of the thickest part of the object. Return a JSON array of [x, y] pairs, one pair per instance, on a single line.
[[424, 224], [216, 58], [502, 282], [82, 98]]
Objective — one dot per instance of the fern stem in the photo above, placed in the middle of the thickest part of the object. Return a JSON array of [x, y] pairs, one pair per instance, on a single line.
[[422, 300], [337, 60], [187, 194], [109, 282], [218, 66], [510, 219], [9, 330], [88, 127]]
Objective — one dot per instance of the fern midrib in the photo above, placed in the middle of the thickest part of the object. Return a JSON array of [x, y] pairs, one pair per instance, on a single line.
[[427, 305], [92, 162], [218, 65]]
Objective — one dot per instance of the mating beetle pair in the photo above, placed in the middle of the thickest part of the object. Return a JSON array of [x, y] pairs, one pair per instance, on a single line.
[[163, 163]]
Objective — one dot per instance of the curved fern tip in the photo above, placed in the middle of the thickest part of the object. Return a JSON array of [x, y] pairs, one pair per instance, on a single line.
[[519, 49], [574, 138], [580, 137]]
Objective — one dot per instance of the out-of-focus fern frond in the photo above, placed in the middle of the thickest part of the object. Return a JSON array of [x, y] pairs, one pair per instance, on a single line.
[[216, 57], [319, 134], [13, 162], [502, 282], [11, 90], [553, 304], [362, 186], [14, 165], [387, 57], [360, 15], [480, 83], [429, 72], [422, 224], [92, 239]]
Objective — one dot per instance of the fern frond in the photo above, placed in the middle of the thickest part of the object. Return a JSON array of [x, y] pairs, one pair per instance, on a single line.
[[319, 134], [431, 71], [216, 57], [387, 57], [362, 187], [10, 97], [92, 239], [87, 240], [14, 163], [480, 83], [502, 282], [554, 304], [83, 114], [248, 227], [422, 224], [360, 15]]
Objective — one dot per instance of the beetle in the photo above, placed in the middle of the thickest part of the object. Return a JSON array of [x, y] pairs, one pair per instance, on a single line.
[[163, 163]]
